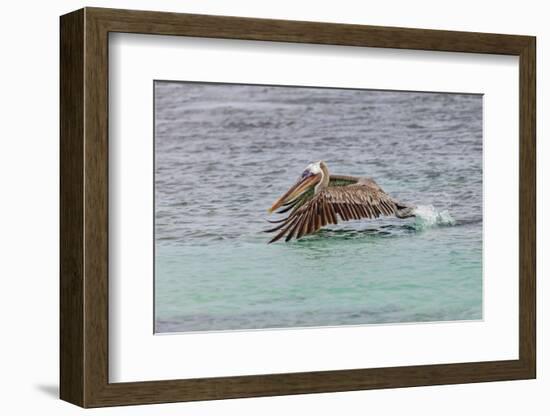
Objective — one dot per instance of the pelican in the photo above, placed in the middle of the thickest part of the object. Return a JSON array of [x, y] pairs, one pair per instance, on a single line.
[[319, 198]]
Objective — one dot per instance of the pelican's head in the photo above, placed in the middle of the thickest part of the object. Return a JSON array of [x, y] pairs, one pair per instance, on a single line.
[[310, 178]]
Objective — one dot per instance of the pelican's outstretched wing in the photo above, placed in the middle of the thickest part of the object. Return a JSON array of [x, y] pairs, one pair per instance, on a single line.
[[335, 180], [364, 199]]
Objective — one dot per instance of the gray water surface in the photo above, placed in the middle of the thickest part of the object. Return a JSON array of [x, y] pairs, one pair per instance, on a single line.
[[224, 153]]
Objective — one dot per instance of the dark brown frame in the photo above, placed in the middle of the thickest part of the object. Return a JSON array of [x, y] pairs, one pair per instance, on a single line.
[[84, 207]]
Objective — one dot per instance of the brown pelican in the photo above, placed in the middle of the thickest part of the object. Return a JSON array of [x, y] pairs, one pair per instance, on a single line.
[[319, 198]]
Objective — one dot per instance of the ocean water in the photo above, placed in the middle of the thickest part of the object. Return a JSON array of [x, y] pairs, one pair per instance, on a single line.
[[224, 153]]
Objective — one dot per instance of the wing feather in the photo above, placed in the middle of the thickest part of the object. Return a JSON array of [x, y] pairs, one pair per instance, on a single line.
[[304, 221]]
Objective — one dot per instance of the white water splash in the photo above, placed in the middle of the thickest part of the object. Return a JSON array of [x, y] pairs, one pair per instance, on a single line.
[[427, 217]]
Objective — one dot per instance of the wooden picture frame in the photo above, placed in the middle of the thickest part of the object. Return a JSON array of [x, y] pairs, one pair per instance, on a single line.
[[84, 207]]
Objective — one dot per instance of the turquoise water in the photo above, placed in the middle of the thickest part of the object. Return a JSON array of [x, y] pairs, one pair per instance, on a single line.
[[223, 153]]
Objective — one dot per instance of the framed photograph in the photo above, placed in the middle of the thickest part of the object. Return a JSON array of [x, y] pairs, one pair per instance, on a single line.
[[255, 207]]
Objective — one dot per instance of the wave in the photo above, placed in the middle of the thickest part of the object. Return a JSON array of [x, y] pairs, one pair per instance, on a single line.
[[426, 216]]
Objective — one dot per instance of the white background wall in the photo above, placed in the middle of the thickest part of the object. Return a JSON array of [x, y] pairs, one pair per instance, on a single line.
[[29, 86]]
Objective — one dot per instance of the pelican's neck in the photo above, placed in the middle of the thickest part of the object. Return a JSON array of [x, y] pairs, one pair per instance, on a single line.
[[325, 178]]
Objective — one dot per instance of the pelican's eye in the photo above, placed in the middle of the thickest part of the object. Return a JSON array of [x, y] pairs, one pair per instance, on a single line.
[[306, 174]]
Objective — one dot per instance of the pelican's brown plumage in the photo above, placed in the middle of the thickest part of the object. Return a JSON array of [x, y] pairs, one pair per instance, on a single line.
[[319, 199]]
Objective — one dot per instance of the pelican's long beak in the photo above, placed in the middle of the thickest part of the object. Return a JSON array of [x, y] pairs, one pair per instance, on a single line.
[[297, 189]]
